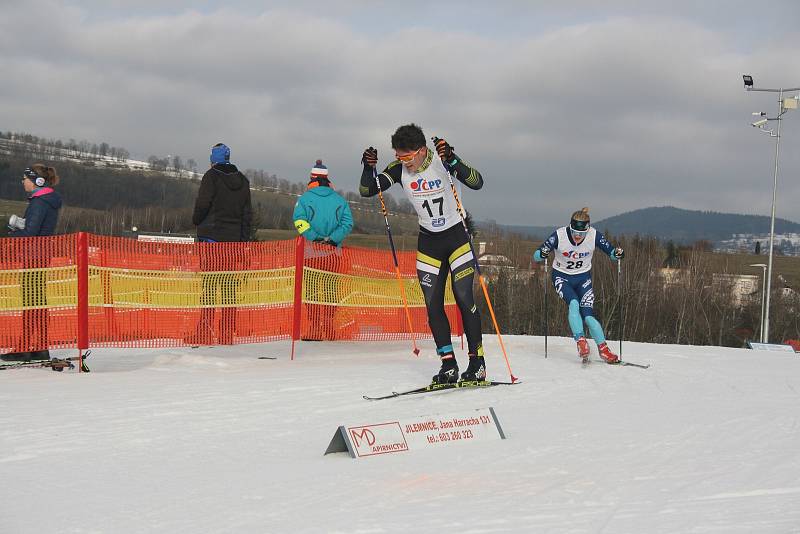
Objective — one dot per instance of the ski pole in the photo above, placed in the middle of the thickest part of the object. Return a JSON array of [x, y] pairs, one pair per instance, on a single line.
[[396, 263], [619, 306], [545, 307], [477, 266]]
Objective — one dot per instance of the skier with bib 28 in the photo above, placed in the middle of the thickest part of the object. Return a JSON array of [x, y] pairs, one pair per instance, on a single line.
[[573, 247], [443, 246]]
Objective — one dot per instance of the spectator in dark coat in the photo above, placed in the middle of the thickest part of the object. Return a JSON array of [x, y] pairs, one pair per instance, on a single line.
[[41, 217], [222, 213]]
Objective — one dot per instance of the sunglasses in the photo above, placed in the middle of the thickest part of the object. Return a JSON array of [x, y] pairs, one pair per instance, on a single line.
[[406, 158]]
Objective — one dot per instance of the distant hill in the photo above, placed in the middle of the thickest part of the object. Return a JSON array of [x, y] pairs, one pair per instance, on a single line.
[[534, 232], [688, 226], [678, 225]]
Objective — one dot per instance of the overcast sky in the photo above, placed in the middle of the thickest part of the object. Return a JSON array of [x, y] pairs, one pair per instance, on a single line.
[[628, 105]]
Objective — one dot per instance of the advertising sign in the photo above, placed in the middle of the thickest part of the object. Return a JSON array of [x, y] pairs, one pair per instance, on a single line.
[[424, 432]]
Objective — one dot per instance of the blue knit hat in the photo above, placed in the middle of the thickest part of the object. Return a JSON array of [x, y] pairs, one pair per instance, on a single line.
[[220, 153]]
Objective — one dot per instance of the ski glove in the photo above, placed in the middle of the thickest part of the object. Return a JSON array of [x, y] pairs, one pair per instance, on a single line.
[[370, 157], [619, 253], [445, 151], [543, 253]]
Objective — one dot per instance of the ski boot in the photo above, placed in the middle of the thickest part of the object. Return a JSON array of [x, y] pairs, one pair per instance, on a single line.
[[476, 370], [583, 348], [606, 353], [448, 374]]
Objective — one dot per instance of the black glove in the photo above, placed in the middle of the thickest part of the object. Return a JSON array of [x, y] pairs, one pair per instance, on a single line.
[[544, 253], [619, 253], [370, 157], [444, 149]]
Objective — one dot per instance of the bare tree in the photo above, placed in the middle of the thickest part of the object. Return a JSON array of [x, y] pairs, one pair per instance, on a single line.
[[177, 164]]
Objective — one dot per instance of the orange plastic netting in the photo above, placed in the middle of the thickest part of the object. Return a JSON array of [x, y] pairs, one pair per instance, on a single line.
[[38, 293], [353, 293], [162, 294]]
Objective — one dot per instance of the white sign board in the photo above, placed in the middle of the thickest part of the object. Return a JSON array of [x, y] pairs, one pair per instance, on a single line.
[[164, 238], [424, 432], [771, 347]]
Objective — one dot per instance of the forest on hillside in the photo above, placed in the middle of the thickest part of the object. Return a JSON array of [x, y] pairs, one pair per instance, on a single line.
[[105, 194], [683, 295], [694, 306]]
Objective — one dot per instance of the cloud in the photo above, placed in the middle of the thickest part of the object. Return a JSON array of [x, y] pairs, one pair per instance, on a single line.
[[618, 110]]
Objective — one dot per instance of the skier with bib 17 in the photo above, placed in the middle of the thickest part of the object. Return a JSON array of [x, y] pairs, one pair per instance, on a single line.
[[573, 247], [443, 245]]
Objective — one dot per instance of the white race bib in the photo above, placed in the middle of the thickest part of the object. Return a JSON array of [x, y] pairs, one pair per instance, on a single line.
[[574, 259], [430, 193]]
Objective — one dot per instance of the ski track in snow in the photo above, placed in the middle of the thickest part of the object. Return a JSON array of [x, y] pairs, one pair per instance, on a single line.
[[201, 440]]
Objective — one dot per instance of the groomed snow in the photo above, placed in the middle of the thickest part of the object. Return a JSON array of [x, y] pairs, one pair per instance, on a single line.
[[215, 440]]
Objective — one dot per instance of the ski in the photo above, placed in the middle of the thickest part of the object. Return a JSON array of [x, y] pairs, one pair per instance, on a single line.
[[623, 363], [55, 364], [464, 384], [267, 358]]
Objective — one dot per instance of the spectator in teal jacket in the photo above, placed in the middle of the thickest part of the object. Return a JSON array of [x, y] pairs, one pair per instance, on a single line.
[[321, 214]]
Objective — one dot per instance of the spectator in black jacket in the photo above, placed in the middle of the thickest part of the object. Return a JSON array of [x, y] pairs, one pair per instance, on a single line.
[[222, 213], [41, 217]]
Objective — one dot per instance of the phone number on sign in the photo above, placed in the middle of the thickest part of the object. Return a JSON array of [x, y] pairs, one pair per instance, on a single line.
[[450, 436]]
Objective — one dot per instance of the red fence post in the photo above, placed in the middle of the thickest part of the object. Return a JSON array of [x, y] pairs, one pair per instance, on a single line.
[[82, 261], [297, 316]]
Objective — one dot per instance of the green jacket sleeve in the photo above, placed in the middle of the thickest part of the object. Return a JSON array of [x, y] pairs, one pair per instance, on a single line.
[[390, 175], [465, 173]]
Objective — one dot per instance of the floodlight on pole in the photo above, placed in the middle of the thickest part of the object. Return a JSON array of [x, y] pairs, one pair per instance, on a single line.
[[782, 108], [763, 296]]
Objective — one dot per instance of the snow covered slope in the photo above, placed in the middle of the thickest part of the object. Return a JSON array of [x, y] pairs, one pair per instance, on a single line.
[[216, 440]]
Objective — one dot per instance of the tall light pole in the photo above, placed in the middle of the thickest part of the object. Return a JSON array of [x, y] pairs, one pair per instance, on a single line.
[[784, 104], [763, 297]]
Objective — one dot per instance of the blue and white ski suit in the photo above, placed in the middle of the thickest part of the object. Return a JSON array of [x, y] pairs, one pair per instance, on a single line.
[[572, 276]]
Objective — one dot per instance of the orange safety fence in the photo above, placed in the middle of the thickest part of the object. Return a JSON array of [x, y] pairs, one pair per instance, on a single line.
[[38, 293], [352, 293], [84, 290], [160, 294]]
